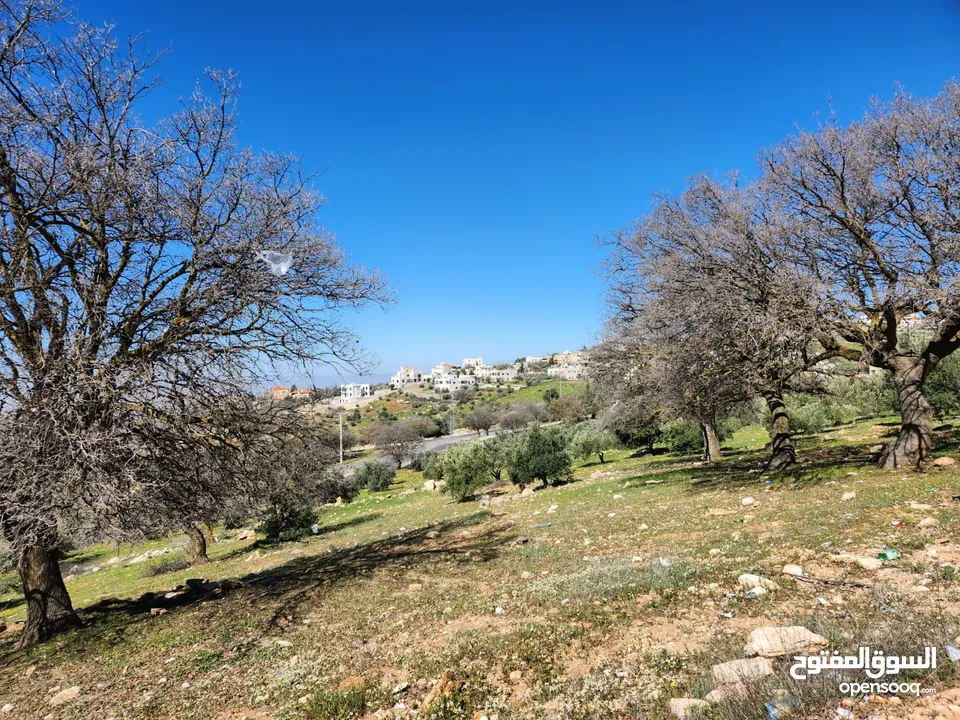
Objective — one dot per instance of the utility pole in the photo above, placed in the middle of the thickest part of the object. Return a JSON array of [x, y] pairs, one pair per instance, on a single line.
[[451, 422], [341, 433]]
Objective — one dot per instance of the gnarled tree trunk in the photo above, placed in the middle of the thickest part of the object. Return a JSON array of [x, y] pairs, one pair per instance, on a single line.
[[915, 441], [711, 443], [197, 545], [49, 609], [784, 454]]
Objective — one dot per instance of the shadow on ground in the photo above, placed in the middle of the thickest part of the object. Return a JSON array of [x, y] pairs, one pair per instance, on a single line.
[[285, 587]]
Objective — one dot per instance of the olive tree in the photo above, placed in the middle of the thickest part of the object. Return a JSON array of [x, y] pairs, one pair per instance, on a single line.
[[137, 303], [592, 439], [876, 218]]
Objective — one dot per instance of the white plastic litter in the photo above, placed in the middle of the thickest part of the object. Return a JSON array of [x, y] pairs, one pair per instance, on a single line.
[[953, 653], [315, 528], [277, 263]]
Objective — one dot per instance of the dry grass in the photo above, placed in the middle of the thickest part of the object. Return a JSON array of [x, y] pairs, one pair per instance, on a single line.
[[523, 619]]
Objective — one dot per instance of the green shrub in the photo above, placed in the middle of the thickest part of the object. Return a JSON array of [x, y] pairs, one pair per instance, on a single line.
[[539, 454], [283, 522], [465, 470], [943, 387], [375, 475], [681, 436]]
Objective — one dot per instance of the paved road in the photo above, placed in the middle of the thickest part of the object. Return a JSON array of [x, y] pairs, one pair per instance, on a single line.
[[438, 443]]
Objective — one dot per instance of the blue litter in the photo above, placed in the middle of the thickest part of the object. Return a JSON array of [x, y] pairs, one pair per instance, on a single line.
[[537, 527]]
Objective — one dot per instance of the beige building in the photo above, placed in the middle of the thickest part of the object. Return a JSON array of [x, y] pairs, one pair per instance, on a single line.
[[406, 375], [495, 373]]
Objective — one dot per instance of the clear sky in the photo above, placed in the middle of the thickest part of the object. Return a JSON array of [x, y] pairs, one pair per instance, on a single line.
[[474, 151]]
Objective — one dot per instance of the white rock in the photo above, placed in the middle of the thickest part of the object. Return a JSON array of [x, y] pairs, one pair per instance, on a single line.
[[7, 708], [928, 522], [553, 508], [742, 670], [848, 496], [748, 580], [686, 707], [777, 641], [747, 501], [729, 691], [944, 461], [65, 696], [792, 570]]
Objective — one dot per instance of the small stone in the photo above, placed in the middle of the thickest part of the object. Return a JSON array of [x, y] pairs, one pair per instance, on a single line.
[[643, 526], [618, 497], [686, 707], [928, 522], [747, 501], [415, 587], [848, 496], [158, 611], [919, 506], [400, 687], [920, 589], [516, 675], [527, 492], [7, 708], [742, 670], [793, 570], [430, 485], [526, 575], [553, 508], [433, 535], [748, 580], [65, 696], [870, 563], [944, 461], [716, 551]]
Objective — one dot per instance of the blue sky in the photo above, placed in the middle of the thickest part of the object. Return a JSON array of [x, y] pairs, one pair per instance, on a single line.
[[475, 151]]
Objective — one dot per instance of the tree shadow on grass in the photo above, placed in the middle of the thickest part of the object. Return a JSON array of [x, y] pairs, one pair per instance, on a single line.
[[287, 586]]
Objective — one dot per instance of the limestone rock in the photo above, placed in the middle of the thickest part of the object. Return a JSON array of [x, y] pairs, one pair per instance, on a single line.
[[748, 580], [686, 707], [944, 461], [730, 691], [928, 522], [747, 501], [736, 671], [777, 641], [792, 570], [848, 496], [65, 696]]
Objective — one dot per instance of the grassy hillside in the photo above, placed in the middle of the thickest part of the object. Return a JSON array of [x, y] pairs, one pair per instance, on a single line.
[[603, 598]]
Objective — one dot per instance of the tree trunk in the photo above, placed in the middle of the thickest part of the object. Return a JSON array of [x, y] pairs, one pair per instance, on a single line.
[[915, 440], [711, 443], [197, 546], [784, 454], [602, 461], [49, 609]]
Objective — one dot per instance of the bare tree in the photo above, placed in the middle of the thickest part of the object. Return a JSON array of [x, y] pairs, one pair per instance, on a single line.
[[481, 419], [875, 210], [135, 307], [399, 440]]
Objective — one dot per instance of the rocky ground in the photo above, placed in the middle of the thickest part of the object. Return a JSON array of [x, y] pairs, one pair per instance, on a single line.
[[652, 587]]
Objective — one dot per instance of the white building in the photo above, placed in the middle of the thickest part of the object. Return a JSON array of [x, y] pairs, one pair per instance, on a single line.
[[442, 369], [536, 359], [494, 373], [473, 362], [453, 382], [351, 392], [567, 371], [406, 376]]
